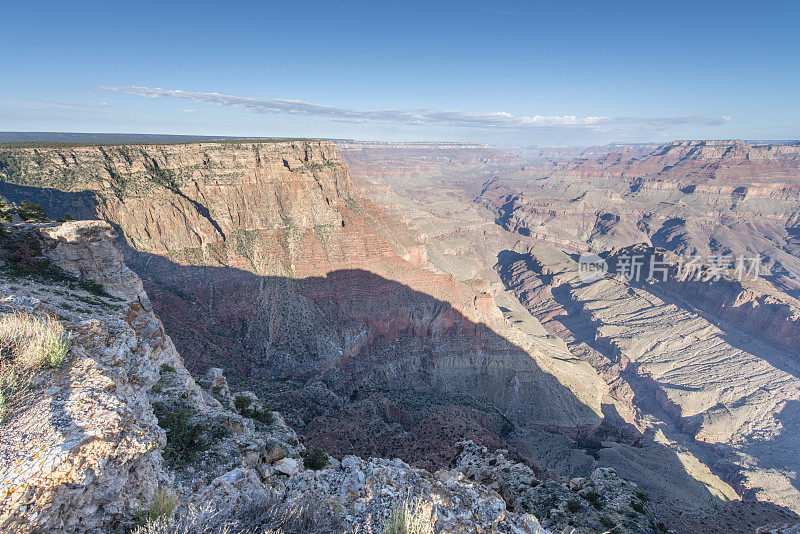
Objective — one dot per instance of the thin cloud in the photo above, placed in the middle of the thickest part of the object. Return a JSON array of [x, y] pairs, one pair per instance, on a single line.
[[500, 11], [54, 102], [418, 117], [57, 105]]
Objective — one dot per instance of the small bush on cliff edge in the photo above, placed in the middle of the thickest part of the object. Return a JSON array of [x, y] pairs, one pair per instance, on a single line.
[[315, 459], [5, 211], [32, 341], [247, 408], [31, 212], [186, 437]]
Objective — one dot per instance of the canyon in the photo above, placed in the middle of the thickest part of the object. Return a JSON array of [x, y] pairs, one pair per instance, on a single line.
[[707, 368], [433, 298], [263, 251]]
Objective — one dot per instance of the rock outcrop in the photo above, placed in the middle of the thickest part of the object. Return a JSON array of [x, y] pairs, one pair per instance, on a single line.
[[596, 503], [84, 447]]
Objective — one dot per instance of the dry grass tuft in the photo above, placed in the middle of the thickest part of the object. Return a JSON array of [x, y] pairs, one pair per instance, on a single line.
[[27, 343], [162, 505], [410, 518], [33, 341]]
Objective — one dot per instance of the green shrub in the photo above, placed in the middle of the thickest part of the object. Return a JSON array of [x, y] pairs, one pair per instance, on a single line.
[[162, 505], [31, 212], [265, 416], [245, 408], [241, 403], [5, 211], [315, 459], [186, 438], [594, 498]]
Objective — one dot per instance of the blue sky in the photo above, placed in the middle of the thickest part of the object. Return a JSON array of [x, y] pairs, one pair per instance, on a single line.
[[509, 72]]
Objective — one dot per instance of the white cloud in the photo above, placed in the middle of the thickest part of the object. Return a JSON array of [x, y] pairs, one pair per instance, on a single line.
[[449, 118]]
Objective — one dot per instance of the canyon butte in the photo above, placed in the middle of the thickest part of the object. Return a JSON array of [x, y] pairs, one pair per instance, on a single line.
[[422, 322]]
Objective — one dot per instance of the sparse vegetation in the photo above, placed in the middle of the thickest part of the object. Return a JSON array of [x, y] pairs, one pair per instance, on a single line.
[[241, 403], [573, 505], [244, 405], [5, 211], [315, 459], [186, 437], [319, 166], [27, 343], [594, 498], [264, 515], [161, 507], [31, 212], [32, 341], [9, 386], [409, 517], [24, 261], [147, 140], [164, 177], [244, 242], [9, 165], [607, 521]]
